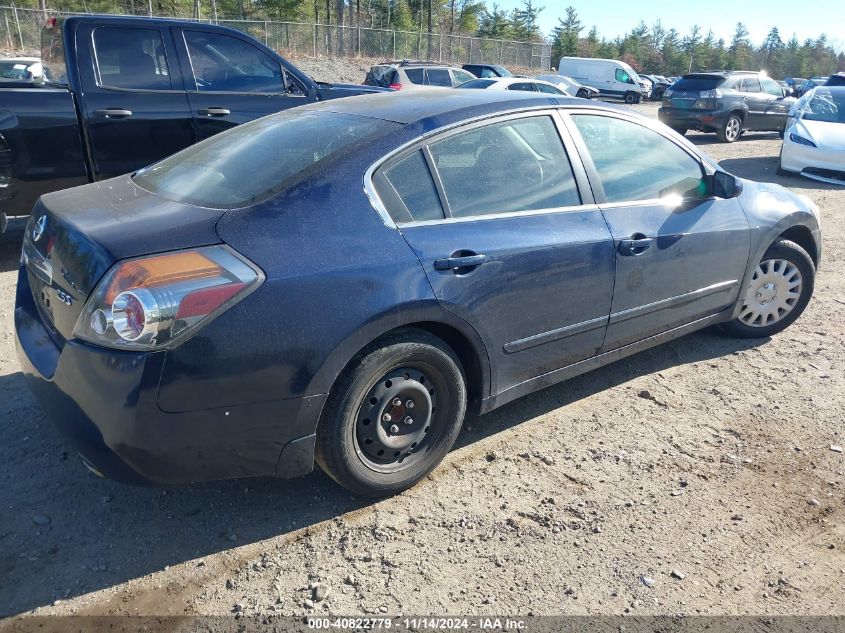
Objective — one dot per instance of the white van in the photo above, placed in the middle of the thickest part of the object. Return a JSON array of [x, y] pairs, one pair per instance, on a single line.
[[611, 77]]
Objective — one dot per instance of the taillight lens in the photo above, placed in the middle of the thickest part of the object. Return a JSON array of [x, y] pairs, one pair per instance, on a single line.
[[153, 302], [395, 86]]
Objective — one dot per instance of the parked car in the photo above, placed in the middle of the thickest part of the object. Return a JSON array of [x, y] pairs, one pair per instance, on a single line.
[[814, 142], [659, 86], [646, 86], [795, 84], [513, 83], [124, 92], [610, 77], [485, 71], [728, 103], [811, 83], [410, 75], [837, 79], [20, 69], [247, 307], [570, 86]]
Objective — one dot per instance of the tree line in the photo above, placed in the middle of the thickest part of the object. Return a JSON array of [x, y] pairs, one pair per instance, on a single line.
[[656, 48]]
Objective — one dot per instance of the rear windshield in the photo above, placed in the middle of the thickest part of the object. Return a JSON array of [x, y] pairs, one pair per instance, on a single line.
[[380, 76], [697, 84], [53, 54], [256, 160]]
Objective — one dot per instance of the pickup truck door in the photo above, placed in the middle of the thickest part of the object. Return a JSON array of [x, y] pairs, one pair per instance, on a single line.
[[134, 108], [232, 80]]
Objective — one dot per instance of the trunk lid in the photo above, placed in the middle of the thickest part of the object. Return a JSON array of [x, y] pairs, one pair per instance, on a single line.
[[74, 236]]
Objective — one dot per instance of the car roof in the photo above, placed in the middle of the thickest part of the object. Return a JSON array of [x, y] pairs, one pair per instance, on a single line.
[[29, 60], [435, 108]]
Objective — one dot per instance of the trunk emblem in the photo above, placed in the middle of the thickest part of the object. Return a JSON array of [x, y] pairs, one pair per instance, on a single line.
[[38, 229], [64, 297]]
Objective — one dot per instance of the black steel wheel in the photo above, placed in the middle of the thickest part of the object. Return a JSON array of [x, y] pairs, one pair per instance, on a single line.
[[393, 415]]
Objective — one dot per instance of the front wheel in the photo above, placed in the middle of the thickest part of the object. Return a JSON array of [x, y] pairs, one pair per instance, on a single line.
[[779, 290], [631, 98], [393, 415], [731, 129]]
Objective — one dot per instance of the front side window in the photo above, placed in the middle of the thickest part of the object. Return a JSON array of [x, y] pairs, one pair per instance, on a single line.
[[636, 163], [131, 58], [487, 72], [461, 76], [438, 77], [222, 63], [771, 87], [256, 160], [517, 165], [623, 76]]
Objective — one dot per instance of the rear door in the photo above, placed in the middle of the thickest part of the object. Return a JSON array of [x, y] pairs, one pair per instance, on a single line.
[[777, 106], [504, 225], [132, 98], [230, 80], [757, 102], [679, 255]]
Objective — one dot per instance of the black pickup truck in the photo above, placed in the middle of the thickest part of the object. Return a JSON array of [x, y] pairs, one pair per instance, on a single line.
[[122, 92]]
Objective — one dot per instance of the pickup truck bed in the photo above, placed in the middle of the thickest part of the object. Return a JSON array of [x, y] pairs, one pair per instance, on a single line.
[[125, 92]]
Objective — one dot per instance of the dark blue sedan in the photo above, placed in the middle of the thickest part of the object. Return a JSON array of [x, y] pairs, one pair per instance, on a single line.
[[340, 282]]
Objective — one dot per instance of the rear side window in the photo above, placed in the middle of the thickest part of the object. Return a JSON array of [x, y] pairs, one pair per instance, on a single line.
[[750, 84], [53, 53], [438, 77], [549, 89], [415, 75], [462, 76], [517, 165], [478, 83], [636, 163], [256, 160], [131, 58], [222, 63], [697, 84], [523, 86], [408, 190]]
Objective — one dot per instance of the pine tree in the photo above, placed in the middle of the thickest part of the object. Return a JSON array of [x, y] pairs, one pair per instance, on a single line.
[[565, 35], [740, 50]]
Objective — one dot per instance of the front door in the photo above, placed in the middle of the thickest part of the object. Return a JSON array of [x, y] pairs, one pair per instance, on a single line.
[[680, 255], [496, 216], [231, 80], [136, 111]]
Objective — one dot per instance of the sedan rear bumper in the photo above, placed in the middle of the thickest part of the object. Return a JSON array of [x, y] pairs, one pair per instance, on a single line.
[[105, 403]]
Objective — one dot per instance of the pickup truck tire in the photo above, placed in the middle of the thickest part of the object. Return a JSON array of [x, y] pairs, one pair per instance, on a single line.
[[788, 268], [731, 129], [631, 98], [393, 414]]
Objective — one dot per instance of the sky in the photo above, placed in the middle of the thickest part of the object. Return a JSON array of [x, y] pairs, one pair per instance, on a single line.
[[616, 17]]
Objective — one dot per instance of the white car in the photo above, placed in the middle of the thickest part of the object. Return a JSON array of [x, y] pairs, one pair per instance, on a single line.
[[570, 86], [814, 138], [513, 83], [21, 69]]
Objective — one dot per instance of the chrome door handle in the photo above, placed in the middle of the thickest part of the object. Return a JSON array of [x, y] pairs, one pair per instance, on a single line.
[[113, 113], [456, 263], [214, 112], [635, 246]]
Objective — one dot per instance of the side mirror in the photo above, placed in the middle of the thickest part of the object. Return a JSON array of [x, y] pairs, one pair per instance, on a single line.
[[723, 185]]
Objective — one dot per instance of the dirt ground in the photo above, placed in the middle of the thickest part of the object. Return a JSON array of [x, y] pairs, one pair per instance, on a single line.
[[718, 493]]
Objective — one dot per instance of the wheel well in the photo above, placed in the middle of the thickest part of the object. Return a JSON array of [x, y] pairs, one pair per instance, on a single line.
[[802, 236], [467, 354]]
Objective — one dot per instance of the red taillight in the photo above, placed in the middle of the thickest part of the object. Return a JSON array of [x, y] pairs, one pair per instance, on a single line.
[[204, 302], [395, 86], [51, 22]]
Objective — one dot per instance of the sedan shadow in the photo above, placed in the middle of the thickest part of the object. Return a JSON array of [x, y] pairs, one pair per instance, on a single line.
[[65, 532]]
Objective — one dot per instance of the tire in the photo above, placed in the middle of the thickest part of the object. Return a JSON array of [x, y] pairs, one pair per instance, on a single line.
[[782, 261], [731, 129], [630, 98], [582, 94], [411, 366], [679, 130]]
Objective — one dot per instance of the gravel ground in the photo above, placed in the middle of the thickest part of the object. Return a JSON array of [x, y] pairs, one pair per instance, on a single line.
[[697, 477]]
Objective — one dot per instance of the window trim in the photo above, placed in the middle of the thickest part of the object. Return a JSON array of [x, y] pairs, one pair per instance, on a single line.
[[98, 78], [592, 172], [582, 182]]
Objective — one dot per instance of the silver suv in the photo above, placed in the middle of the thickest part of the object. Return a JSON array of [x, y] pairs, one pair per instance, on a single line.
[[409, 75]]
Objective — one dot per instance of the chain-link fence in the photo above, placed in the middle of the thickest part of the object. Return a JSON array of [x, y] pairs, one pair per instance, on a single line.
[[20, 31]]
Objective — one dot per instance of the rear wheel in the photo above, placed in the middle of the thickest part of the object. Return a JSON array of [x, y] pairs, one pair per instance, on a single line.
[[779, 290], [393, 416], [731, 129]]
